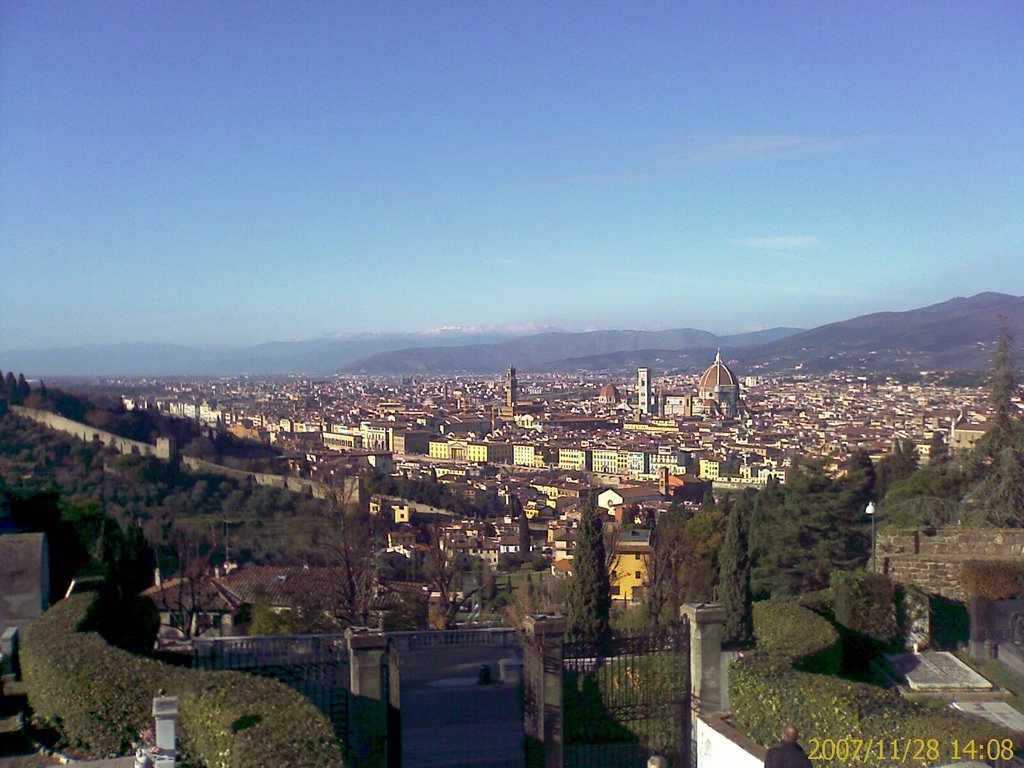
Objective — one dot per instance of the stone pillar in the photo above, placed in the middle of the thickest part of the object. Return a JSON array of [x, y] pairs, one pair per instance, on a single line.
[[165, 712], [9, 652], [368, 707], [366, 648], [545, 637], [706, 622]]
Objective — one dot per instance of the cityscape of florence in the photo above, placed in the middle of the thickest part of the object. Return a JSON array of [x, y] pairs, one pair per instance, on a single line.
[[511, 385]]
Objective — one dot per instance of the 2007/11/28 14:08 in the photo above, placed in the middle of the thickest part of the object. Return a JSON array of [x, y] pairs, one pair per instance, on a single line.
[[907, 750]]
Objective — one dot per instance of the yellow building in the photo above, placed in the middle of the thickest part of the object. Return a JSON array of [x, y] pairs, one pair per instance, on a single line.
[[628, 573], [710, 468], [605, 460], [655, 426], [577, 459], [439, 448], [524, 455], [489, 453]]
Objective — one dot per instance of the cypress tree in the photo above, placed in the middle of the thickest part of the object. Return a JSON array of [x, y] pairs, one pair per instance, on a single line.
[[24, 390], [998, 459], [734, 575], [938, 451], [11, 387], [1005, 429], [524, 527], [588, 603]]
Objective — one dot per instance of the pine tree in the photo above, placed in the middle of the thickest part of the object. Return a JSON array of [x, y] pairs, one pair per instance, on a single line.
[[999, 498], [734, 576], [858, 482], [588, 603]]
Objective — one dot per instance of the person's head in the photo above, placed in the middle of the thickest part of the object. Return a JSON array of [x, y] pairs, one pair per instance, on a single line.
[[788, 734], [657, 762]]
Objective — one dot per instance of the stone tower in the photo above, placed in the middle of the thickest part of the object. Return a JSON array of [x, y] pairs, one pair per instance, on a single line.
[[511, 387], [643, 390]]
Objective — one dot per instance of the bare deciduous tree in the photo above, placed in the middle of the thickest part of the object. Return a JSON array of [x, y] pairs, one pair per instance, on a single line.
[[186, 598], [347, 547], [444, 573], [662, 566]]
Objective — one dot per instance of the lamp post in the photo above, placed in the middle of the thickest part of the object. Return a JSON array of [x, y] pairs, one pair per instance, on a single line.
[[870, 512]]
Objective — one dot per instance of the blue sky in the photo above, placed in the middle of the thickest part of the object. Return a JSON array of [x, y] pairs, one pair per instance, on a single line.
[[229, 173]]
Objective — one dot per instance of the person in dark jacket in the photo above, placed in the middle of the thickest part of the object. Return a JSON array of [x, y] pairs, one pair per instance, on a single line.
[[788, 754]]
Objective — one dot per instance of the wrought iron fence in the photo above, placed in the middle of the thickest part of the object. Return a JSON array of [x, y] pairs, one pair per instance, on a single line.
[[626, 699]]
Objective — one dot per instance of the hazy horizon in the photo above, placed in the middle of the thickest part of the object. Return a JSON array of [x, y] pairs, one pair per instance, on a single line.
[[224, 175]]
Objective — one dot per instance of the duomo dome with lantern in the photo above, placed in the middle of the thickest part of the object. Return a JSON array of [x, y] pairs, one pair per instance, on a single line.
[[718, 390]]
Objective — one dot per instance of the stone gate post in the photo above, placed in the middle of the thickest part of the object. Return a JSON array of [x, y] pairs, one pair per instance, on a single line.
[[543, 651], [367, 710], [706, 620]]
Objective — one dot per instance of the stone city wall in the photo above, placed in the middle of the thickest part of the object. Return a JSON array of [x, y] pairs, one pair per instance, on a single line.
[[930, 559], [350, 489], [164, 448]]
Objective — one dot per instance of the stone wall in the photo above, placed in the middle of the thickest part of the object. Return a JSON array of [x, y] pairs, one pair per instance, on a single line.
[[718, 743], [24, 578], [164, 448], [930, 558], [350, 490]]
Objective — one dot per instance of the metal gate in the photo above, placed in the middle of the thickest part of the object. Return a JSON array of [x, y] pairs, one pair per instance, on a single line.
[[628, 699]]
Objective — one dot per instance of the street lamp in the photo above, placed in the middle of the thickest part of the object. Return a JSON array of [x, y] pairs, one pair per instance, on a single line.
[[870, 512]]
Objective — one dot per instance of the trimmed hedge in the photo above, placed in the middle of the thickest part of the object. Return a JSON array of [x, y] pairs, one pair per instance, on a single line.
[[99, 698], [865, 603], [789, 632], [993, 579], [765, 691], [822, 601]]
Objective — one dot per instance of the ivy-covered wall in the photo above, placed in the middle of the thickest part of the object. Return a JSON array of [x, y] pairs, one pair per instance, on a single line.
[[930, 559]]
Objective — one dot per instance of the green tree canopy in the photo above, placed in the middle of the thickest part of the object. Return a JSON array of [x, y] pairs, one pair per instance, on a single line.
[[588, 603], [734, 574]]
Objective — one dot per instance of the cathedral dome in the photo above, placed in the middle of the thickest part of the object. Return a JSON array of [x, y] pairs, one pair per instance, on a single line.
[[609, 390], [718, 375]]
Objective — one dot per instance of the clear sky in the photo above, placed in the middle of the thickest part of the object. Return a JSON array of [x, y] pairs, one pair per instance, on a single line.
[[217, 173]]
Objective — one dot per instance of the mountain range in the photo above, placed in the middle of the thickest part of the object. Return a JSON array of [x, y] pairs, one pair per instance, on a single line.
[[958, 334], [954, 335]]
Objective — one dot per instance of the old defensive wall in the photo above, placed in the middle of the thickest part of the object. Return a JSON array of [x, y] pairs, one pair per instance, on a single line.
[[165, 449], [930, 558]]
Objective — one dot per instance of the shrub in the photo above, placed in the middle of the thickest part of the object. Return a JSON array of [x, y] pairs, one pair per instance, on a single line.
[[993, 579], [865, 603], [765, 691], [99, 698], [821, 601], [786, 631]]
